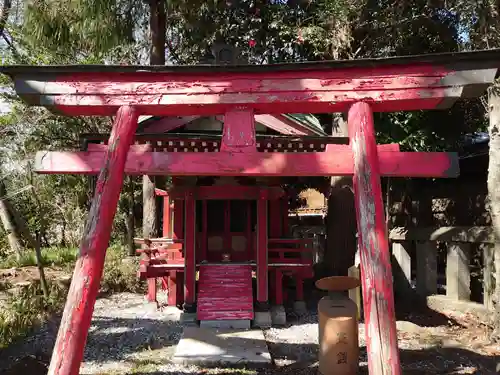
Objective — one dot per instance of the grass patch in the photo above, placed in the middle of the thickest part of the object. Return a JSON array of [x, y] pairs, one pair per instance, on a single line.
[[52, 256], [26, 308]]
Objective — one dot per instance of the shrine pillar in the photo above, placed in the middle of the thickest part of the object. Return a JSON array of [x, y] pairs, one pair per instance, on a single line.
[[75, 323], [178, 226], [190, 253], [262, 313], [167, 218], [376, 274]]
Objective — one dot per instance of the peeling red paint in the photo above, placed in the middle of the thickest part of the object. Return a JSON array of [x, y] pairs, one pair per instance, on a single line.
[[408, 87], [68, 350], [337, 160], [225, 292], [376, 274]]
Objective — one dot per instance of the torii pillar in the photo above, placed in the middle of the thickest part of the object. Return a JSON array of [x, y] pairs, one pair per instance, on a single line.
[[70, 343], [376, 273]]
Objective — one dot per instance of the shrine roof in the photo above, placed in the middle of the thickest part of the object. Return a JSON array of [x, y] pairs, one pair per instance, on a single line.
[[460, 60]]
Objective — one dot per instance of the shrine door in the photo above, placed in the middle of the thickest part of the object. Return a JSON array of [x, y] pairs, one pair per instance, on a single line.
[[226, 230]]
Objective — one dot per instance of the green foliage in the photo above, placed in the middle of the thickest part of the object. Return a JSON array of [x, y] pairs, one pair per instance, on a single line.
[[120, 272], [54, 256], [77, 29], [27, 308]]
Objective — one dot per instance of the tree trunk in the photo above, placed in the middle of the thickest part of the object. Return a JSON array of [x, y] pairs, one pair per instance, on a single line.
[[20, 225], [39, 263], [341, 217], [4, 14], [8, 224], [494, 188], [157, 24]]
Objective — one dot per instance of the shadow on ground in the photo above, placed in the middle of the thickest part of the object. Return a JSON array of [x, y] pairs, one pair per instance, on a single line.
[[422, 362], [120, 339]]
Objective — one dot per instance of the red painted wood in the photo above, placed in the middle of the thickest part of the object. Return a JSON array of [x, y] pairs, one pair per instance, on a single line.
[[239, 131], [262, 273], [376, 273], [323, 91], [161, 193], [166, 217], [226, 315], [224, 192], [146, 147], [178, 220], [275, 218], [249, 232], [187, 142], [190, 250], [338, 163], [75, 323], [204, 231], [152, 290], [225, 292], [164, 283], [278, 279], [290, 260], [172, 289]]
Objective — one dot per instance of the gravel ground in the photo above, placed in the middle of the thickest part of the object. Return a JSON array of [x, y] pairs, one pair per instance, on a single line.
[[130, 336]]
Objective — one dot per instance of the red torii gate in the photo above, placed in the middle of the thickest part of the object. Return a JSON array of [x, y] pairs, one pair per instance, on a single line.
[[357, 87]]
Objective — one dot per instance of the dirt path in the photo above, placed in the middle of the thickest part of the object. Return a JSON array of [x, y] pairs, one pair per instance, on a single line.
[[131, 336]]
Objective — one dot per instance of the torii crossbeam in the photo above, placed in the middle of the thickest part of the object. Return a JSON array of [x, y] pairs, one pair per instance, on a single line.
[[357, 87]]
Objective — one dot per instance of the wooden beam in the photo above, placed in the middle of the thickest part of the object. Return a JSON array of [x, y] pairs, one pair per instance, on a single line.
[[336, 161], [444, 234], [376, 273], [75, 323], [410, 86]]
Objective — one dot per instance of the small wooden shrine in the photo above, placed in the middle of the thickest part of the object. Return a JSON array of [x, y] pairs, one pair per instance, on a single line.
[[223, 251], [227, 217]]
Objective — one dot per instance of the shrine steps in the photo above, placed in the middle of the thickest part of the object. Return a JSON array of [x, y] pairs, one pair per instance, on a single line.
[[225, 296]]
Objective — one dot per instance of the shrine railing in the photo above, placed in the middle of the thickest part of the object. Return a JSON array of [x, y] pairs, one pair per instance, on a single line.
[[446, 259], [290, 251]]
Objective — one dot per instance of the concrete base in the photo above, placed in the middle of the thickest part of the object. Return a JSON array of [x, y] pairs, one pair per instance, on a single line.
[[300, 307], [278, 315], [225, 324], [214, 348], [189, 319], [262, 319]]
